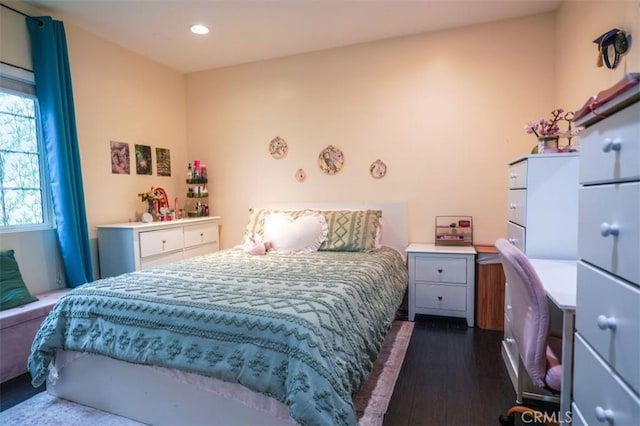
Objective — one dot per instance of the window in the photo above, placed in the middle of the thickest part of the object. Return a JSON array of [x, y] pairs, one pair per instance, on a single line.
[[24, 201]]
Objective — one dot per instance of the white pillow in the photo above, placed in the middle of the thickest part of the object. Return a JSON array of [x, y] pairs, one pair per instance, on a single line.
[[302, 235]]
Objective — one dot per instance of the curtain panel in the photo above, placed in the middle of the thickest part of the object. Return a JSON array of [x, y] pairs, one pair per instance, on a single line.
[[55, 96]]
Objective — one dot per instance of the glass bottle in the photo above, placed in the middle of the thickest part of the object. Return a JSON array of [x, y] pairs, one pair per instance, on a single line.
[[189, 174]]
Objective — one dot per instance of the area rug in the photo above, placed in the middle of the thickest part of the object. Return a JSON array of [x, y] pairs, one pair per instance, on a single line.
[[371, 400]]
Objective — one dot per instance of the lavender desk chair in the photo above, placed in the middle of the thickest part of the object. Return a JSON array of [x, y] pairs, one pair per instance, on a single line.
[[539, 352]]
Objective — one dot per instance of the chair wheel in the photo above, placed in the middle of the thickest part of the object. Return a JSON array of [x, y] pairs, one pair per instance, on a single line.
[[507, 420]]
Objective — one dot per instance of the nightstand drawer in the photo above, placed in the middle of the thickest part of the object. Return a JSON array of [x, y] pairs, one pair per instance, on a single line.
[[517, 206], [161, 241], [599, 163], [445, 297], [200, 234], [441, 270], [518, 175], [604, 208], [619, 346], [597, 389]]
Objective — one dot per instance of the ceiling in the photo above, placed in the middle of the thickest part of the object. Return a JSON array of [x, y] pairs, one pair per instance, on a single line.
[[247, 31]]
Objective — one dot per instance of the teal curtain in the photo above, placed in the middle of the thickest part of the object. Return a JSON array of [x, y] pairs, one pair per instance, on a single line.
[[55, 96]]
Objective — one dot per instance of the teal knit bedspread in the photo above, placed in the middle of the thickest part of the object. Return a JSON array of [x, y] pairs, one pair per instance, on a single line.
[[301, 328]]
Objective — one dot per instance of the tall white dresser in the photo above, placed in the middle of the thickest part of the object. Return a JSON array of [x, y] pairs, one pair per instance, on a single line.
[[542, 207], [542, 214], [607, 338], [128, 247]]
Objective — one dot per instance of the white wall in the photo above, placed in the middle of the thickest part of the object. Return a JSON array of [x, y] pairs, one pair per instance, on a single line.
[[578, 24], [443, 110]]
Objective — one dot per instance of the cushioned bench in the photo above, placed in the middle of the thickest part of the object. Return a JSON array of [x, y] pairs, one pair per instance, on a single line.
[[18, 327]]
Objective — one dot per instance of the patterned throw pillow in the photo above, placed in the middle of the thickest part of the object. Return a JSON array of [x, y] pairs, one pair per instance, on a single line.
[[351, 230], [13, 291]]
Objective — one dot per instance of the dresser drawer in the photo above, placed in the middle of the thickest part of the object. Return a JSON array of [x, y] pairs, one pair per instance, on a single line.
[[598, 163], [604, 206], [602, 296], [200, 234], [597, 390], [518, 175], [441, 269], [160, 241], [445, 297], [150, 262], [517, 206], [516, 235]]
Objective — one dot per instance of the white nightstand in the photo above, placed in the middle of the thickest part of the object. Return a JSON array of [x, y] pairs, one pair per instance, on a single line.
[[441, 281]]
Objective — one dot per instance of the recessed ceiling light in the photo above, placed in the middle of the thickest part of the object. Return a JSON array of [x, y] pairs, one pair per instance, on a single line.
[[199, 29]]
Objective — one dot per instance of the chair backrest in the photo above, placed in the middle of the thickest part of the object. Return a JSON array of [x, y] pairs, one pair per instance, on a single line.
[[529, 316]]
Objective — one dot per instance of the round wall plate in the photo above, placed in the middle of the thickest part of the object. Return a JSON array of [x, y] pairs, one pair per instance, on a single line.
[[378, 169], [331, 160]]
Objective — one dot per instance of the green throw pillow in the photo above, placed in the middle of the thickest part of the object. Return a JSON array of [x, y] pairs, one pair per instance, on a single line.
[[351, 230], [13, 290]]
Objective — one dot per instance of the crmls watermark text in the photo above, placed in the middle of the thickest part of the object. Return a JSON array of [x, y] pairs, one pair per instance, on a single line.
[[538, 417]]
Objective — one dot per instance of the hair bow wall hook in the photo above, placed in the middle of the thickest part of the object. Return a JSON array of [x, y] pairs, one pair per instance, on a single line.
[[612, 43]]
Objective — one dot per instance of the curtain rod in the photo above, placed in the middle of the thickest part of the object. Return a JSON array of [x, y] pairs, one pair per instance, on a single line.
[[40, 23]]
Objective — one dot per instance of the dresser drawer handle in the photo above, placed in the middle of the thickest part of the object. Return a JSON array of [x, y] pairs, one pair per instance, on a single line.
[[510, 340], [512, 240], [164, 242], [607, 229], [605, 323], [439, 270], [604, 415], [513, 206], [513, 175], [609, 145], [439, 297], [508, 307]]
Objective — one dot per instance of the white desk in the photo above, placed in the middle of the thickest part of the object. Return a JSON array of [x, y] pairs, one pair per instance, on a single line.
[[559, 278]]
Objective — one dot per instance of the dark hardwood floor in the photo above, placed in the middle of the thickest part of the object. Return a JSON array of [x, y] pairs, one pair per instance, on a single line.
[[452, 375]]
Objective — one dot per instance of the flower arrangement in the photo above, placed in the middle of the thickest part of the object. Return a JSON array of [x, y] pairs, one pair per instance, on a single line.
[[543, 128], [152, 194]]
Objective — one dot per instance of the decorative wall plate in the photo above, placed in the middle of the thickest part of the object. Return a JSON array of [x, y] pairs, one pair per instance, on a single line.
[[378, 169], [301, 175], [278, 148], [331, 160]]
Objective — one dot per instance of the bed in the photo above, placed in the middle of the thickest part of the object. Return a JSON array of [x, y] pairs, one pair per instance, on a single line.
[[229, 338]]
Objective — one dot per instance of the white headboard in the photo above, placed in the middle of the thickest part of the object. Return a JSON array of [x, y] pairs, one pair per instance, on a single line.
[[394, 218]]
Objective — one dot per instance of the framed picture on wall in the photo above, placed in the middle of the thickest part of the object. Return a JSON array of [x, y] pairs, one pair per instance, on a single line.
[[120, 158], [163, 162], [143, 160]]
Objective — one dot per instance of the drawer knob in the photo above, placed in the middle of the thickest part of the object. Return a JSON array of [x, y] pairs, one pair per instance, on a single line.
[[201, 234], [513, 175], [512, 206], [605, 323], [609, 145], [604, 415], [509, 307], [439, 270], [607, 229], [164, 241], [510, 340], [439, 297], [512, 240]]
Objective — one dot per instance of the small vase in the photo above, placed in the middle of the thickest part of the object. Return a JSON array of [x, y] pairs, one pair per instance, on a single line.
[[548, 144]]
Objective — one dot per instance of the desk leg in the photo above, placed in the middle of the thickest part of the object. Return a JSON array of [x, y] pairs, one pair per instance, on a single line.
[[566, 386]]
